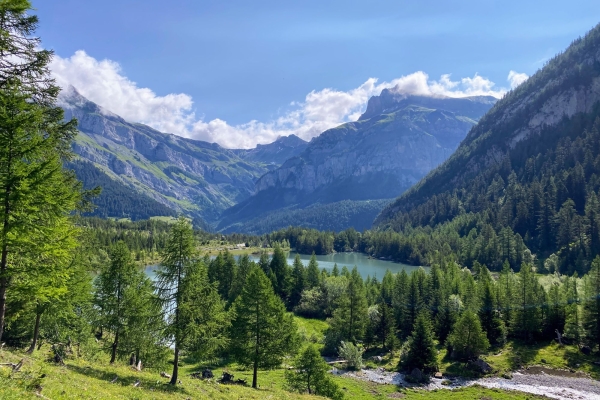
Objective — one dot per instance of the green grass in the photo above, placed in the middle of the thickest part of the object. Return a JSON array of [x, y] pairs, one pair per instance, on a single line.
[[83, 379]]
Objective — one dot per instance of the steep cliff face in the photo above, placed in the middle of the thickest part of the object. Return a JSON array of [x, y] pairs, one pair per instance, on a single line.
[[392, 146], [276, 153], [195, 177]]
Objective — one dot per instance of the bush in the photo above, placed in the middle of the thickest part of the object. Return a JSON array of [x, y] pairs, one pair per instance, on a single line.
[[352, 354]]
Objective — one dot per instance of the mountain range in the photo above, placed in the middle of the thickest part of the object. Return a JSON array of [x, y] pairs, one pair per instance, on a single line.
[[342, 178], [524, 183], [395, 143]]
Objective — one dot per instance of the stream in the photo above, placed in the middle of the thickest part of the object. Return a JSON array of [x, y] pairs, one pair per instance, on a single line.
[[555, 384]]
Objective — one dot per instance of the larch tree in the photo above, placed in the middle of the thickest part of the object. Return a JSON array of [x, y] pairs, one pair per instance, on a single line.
[[196, 316], [591, 304], [312, 272], [36, 195], [310, 375], [262, 333]]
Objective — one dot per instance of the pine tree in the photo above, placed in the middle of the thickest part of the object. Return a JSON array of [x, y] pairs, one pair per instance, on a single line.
[[573, 329], [488, 313], [310, 375], [312, 272], [385, 327], [196, 314], [467, 339], [421, 348], [116, 289], [36, 194], [241, 274], [527, 321], [262, 333], [591, 305], [298, 282], [280, 272]]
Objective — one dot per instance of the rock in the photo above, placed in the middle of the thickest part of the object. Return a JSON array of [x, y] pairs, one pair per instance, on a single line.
[[438, 375], [165, 375], [207, 374], [543, 360], [377, 359], [481, 365], [586, 350], [507, 375]]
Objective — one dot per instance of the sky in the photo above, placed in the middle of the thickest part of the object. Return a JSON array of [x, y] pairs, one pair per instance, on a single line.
[[245, 72]]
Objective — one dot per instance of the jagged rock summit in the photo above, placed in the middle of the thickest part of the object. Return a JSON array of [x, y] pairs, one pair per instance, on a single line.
[[392, 146]]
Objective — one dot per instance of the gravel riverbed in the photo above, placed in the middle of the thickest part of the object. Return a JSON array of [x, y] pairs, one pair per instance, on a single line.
[[539, 382]]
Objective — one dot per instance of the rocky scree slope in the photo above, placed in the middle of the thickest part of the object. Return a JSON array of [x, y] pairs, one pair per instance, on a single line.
[[396, 142]]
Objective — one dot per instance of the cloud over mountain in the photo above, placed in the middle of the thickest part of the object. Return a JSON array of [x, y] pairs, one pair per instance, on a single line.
[[104, 83]]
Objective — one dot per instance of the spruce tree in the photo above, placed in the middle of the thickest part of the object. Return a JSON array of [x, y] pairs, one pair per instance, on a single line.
[[298, 282], [591, 305], [467, 339], [312, 272], [36, 195], [262, 333], [116, 291], [421, 348], [196, 313], [280, 272]]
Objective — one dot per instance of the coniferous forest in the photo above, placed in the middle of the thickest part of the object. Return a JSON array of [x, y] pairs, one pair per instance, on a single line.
[[509, 276]]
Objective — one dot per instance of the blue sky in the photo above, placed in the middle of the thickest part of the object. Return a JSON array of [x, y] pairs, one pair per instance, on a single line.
[[239, 72]]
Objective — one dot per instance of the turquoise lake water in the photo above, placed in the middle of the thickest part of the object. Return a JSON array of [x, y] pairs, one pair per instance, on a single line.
[[366, 266]]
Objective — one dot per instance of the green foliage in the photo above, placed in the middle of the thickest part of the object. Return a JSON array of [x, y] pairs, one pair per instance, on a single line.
[[310, 375], [116, 200], [262, 333], [421, 352], [352, 354], [467, 339], [196, 317]]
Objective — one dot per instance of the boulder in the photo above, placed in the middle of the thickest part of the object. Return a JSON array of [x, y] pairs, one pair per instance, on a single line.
[[207, 374], [438, 375]]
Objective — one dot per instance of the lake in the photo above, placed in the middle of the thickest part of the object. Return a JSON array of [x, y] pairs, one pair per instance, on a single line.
[[366, 266]]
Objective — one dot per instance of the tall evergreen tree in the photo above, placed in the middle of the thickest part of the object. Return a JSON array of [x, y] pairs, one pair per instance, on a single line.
[[298, 282], [312, 272], [467, 339], [196, 314], [280, 272], [421, 348], [36, 194], [116, 295], [591, 304], [262, 333]]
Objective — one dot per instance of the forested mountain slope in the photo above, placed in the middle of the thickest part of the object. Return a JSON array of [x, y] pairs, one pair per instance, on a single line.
[[394, 144], [191, 176], [527, 175]]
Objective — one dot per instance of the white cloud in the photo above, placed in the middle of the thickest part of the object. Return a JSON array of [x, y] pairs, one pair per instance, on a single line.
[[516, 78], [103, 83]]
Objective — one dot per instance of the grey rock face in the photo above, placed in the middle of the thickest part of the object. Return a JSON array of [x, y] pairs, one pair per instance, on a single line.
[[191, 176], [405, 143]]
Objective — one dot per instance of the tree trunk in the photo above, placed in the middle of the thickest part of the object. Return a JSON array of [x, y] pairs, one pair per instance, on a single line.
[[113, 355], [36, 333], [255, 374], [175, 367]]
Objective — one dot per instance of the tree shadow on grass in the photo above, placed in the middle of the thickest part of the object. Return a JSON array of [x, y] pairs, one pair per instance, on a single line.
[[521, 353], [126, 380]]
